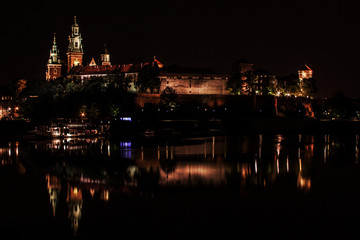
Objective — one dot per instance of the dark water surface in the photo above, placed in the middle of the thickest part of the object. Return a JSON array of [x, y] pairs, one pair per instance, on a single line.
[[293, 186]]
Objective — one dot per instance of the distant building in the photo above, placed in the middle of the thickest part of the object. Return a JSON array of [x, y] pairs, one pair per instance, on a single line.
[[189, 81], [305, 72], [242, 66], [6, 104], [76, 68], [54, 65], [94, 70], [264, 80], [193, 80], [75, 50]]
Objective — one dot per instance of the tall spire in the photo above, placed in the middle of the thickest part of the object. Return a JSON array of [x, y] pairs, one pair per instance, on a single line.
[[75, 40], [54, 53], [54, 63], [75, 48]]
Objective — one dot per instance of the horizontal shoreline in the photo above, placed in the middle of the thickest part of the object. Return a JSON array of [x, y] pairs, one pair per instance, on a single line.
[[229, 126]]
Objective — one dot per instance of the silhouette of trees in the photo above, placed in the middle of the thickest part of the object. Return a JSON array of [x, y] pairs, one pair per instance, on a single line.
[[235, 83], [340, 106], [308, 87], [288, 85], [95, 98], [148, 79], [168, 98]]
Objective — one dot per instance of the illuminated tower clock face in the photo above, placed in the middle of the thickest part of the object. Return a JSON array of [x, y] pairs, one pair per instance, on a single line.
[[76, 62]]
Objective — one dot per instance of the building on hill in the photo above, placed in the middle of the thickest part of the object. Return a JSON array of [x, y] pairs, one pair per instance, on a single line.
[[305, 72], [54, 66], [306, 82], [7, 108], [264, 81], [94, 70], [185, 81], [75, 49], [242, 66], [193, 80]]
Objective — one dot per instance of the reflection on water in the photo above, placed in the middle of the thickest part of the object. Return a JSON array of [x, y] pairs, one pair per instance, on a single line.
[[80, 171]]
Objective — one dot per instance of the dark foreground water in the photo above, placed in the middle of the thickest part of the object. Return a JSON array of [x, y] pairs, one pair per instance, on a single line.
[[251, 186]]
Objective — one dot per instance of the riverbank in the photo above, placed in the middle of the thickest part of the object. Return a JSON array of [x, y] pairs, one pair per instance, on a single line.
[[199, 127]]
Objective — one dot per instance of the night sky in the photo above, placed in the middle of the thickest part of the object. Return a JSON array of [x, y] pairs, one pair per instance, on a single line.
[[278, 36]]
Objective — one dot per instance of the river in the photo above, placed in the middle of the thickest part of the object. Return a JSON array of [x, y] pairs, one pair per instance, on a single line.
[[294, 185]]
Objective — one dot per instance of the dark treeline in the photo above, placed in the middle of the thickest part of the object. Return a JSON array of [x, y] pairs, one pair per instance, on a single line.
[[93, 98], [108, 97]]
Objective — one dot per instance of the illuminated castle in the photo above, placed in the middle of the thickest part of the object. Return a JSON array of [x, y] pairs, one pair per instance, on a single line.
[[77, 69], [185, 81], [305, 72]]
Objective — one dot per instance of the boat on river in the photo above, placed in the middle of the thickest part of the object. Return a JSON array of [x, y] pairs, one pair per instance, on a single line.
[[70, 130]]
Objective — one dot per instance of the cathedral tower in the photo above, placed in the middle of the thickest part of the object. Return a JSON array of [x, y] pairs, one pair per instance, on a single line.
[[75, 49], [54, 64]]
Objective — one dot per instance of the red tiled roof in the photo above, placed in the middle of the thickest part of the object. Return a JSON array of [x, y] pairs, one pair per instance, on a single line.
[[305, 68], [108, 69]]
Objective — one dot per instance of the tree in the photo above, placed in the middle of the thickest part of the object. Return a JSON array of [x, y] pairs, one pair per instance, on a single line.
[[251, 81], [148, 79], [308, 87], [20, 86], [234, 84], [288, 85], [241, 83], [168, 98], [340, 106]]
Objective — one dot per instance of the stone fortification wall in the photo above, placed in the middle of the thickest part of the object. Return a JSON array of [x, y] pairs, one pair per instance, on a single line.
[[195, 84]]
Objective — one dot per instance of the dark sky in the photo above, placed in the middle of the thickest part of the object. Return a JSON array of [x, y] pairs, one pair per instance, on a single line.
[[278, 36]]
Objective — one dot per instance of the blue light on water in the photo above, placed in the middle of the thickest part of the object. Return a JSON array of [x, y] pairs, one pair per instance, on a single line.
[[125, 119], [125, 144]]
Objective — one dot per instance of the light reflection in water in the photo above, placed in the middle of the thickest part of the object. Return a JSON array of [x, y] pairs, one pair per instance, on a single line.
[[75, 203], [54, 188], [287, 163], [357, 149], [192, 164]]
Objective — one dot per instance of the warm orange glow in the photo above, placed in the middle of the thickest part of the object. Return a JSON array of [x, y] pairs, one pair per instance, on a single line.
[[105, 195], [304, 183], [92, 192], [75, 191]]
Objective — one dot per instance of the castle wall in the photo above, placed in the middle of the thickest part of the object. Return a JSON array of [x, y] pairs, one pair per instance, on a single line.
[[195, 84]]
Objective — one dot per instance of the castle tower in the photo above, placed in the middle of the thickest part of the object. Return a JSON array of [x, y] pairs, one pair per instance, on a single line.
[[305, 72], [105, 57], [54, 64], [75, 49]]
